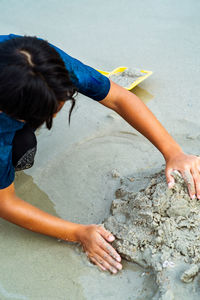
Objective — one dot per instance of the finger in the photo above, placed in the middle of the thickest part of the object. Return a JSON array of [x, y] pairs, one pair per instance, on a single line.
[[109, 249], [105, 264], [107, 258], [187, 176], [106, 234], [169, 177], [92, 259], [196, 178]]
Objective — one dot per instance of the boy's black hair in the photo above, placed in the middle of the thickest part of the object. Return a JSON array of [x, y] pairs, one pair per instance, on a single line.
[[33, 81]]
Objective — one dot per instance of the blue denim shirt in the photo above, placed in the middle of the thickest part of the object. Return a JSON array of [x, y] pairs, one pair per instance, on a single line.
[[8, 127], [88, 81]]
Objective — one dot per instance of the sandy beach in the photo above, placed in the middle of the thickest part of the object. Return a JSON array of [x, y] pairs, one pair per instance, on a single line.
[[72, 175]]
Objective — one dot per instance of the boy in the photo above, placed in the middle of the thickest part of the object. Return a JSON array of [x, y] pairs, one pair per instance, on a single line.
[[36, 78]]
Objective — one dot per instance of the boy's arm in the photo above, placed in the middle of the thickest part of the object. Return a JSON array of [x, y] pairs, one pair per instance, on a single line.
[[137, 114], [93, 238], [19, 212]]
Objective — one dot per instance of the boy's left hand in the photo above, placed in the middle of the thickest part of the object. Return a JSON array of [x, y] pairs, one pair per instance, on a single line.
[[189, 167]]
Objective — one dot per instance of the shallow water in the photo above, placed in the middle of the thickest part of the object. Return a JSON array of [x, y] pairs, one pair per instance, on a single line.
[[71, 177], [143, 94]]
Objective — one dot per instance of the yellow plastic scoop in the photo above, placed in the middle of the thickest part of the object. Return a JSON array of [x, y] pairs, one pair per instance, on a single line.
[[126, 77]]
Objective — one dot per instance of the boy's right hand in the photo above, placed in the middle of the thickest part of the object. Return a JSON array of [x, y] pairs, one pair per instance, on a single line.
[[95, 241]]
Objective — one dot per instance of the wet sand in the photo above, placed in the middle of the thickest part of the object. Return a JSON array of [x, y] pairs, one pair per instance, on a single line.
[[158, 228], [127, 77], [74, 180]]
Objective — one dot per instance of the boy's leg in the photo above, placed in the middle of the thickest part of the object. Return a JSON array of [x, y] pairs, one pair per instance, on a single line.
[[24, 148]]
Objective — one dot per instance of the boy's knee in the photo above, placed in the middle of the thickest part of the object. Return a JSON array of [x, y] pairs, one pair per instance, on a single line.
[[26, 161], [29, 140], [24, 148]]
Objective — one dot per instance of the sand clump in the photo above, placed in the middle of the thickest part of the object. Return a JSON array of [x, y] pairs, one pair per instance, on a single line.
[[159, 228], [127, 77]]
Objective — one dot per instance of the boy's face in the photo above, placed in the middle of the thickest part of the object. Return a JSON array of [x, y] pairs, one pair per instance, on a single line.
[[60, 107]]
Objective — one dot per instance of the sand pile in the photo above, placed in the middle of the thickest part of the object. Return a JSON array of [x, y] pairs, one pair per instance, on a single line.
[[159, 228], [127, 77]]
